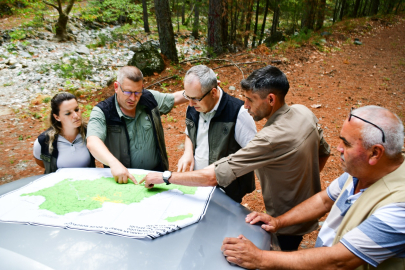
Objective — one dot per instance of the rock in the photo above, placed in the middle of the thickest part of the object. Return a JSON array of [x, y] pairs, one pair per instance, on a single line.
[[83, 50], [11, 61], [148, 59], [136, 47], [36, 42], [275, 38], [357, 41], [232, 88], [48, 28], [325, 34], [13, 66], [25, 54]]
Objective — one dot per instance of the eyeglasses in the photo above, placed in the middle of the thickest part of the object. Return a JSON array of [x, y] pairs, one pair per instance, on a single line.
[[383, 134], [195, 99], [128, 93]]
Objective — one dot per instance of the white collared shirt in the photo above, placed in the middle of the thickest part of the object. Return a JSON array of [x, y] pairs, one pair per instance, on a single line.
[[245, 130]]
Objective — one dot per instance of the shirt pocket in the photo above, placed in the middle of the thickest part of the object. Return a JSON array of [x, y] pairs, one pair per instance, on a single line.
[[147, 131]]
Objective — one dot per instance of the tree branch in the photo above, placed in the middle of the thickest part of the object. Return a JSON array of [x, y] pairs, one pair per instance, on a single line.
[[69, 7], [167, 78], [52, 5]]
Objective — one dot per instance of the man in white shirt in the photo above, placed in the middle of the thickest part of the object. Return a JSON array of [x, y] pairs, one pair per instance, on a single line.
[[217, 125]]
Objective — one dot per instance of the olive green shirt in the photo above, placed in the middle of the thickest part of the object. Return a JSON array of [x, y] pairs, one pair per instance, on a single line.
[[143, 151], [285, 156]]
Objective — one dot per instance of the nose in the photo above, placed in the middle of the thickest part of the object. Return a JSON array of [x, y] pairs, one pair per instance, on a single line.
[[340, 147], [191, 103], [246, 105]]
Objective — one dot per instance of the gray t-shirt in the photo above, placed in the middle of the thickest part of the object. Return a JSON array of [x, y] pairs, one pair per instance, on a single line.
[[143, 150], [71, 154]]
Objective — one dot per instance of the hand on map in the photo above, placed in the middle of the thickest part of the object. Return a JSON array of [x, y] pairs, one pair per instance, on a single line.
[[186, 162], [271, 224], [121, 174], [151, 179], [242, 252]]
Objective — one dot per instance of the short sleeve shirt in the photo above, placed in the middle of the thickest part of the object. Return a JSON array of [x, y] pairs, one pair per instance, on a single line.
[[143, 151], [70, 154], [379, 237], [285, 157]]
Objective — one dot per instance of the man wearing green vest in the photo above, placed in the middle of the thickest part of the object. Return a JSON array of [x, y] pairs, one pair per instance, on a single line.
[[125, 130], [217, 125], [286, 155], [365, 228]]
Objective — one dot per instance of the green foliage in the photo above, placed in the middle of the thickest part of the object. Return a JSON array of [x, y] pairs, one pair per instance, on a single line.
[[77, 68], [102, 41], [17, 34], [46, 99], [87, 110], [111, 10]]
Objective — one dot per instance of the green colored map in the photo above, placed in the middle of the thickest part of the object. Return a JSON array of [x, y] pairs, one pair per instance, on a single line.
[[177, 218], [70, 196]]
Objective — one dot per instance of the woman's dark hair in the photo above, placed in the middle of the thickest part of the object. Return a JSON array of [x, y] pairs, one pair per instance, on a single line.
[[56, 126]]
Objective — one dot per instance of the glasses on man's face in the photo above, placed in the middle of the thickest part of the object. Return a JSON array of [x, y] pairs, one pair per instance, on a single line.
[[383, 134], [195, 99], [129, 93]]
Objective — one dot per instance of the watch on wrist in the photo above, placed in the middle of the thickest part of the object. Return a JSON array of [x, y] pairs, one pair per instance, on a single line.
[[166, 177]]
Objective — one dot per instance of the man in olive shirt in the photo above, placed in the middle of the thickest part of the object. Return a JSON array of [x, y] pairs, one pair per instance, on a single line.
[[287, 154], [125, 130]]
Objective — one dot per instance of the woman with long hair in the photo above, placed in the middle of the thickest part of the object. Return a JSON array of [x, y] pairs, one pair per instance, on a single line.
[[63, 144]]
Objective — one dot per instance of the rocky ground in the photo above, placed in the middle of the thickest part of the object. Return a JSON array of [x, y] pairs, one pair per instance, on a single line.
[[329, 81]]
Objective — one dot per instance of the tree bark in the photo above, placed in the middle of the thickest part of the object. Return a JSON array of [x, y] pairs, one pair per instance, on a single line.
[[342, 10], [356, 8], [276, 16], [320, 14], [374, 7], [215, 26], [363, 12], [335, 12], [196, 22], [225, 15], [145, 16], [256, 23], [183, 13], [165, 28], [308, 18], [61, 25], [248, 22], [264, 21]]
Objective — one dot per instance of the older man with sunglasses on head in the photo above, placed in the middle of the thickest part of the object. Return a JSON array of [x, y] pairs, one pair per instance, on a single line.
[[365, 228], [125, 130], [217, 125]]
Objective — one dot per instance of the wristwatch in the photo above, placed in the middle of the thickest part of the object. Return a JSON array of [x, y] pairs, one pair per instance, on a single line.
[[166, 177]]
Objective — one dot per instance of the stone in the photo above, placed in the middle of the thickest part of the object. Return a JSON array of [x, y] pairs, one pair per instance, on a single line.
[[325, 34], [83, 50], [232, 88], [25, 54], [11, 61], [148, 59], [136, 47], [275, 38]]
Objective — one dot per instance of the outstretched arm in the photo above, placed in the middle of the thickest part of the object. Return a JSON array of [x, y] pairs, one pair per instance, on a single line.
[[245, 254], [99, 151], [310, 209]]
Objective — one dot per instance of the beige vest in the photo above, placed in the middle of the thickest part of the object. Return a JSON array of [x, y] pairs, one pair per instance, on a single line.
[[387, 190]]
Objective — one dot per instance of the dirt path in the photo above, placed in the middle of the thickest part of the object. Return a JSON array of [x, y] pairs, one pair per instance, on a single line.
[[373, 73]]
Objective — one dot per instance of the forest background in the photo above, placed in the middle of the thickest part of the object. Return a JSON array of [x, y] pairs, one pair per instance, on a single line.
[[337, 54]]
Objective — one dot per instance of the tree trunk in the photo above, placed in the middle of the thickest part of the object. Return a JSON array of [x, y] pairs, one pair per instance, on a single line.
[[165, 28], [215, 26], [335, 12], [61, 25], [225, 14], [264, 21], [363, 13], [145, 16], [248, 22], [398, 6], [309, 11], [342, 10], [196, 23], [276, 16], [256, 23], [320, 14], [374, 7], [356, 8], [183, 13], [390, 6]]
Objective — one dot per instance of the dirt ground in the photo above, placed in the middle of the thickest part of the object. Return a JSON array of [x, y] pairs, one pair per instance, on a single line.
[[329, 83]]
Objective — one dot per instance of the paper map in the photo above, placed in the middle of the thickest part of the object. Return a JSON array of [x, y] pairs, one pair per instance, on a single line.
[[89, 199]]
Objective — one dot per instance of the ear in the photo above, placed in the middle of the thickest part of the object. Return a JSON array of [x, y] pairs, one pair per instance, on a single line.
[[377, 152], [56, 117], [116, 85], [214, 91], [271, 99]]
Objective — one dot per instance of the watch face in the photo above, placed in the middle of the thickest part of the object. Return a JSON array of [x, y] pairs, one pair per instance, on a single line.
[[167, 174]]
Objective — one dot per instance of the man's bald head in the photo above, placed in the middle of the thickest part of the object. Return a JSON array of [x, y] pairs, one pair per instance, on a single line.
[[389, 122]]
